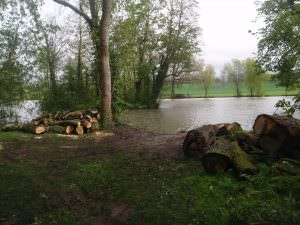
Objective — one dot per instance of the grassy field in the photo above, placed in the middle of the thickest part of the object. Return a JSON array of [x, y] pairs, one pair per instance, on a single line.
[[54, 181], [218, 90]]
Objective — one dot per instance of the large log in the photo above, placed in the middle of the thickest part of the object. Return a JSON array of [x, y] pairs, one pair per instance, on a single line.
[[79, 130], [73, 115], [69, 129], [225, 154], [64, 123], [199, 140], [248, 141], [56, 129], [86, 124], [278, 135]]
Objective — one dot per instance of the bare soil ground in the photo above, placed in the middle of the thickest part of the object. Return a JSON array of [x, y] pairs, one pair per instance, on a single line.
[[120, 139]]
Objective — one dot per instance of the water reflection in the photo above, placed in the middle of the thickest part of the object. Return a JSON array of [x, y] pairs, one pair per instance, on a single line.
[[19, 112], [184, 114]]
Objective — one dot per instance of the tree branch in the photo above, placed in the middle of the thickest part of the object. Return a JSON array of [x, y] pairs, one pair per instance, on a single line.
[[76, 10]]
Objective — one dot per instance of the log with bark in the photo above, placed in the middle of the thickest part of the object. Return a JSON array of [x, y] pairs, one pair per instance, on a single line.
[[66, 122], [278, 135], [199, 140], [56, 129], [224, 154]]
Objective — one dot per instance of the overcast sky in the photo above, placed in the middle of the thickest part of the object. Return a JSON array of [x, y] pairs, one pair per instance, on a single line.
[[225, 25]]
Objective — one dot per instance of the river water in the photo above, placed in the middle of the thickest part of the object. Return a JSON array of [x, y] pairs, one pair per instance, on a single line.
[[184, 114]]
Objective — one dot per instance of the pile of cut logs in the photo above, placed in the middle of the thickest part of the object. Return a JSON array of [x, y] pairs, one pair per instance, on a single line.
[[224, 146], [68, 122]]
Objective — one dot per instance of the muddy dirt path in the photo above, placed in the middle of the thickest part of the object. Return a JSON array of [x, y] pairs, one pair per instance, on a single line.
[[120, 139]]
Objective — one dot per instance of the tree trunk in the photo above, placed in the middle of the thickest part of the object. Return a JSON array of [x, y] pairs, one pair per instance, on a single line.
[[251, 92], [238, 94], [106, 119], [173, 87], [79, 57]]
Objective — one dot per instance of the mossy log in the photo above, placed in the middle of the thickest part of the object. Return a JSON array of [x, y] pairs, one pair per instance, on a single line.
[[199, 140], [225, 154], [278, 135]]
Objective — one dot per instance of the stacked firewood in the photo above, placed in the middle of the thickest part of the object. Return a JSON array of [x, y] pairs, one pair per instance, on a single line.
[[224, 146], [67, 122]]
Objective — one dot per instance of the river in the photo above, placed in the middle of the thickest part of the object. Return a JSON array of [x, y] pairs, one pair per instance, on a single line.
[[184, 114]]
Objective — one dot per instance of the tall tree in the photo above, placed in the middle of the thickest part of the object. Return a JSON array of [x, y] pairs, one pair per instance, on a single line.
[[99, 28], [153, 41], [207, 77], [235, 72], [255, 77], [279, 44]]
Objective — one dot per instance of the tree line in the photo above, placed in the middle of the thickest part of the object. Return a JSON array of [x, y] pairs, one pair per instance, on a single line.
[[109, 54], [118, 54], [239, 72]]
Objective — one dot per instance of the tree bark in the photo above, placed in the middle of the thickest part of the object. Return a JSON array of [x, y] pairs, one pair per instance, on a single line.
[[100, 38], [106, 119]]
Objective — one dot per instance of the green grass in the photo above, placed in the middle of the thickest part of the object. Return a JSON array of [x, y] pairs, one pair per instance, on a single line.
[[218, 90], [156, 191], [13, 135]]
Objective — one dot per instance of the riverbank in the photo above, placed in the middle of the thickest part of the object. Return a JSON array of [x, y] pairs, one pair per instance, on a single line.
[[130, 176], [195, 90]]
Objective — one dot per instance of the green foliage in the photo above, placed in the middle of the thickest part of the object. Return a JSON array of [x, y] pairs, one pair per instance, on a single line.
[[279, 45], [235, 71], [17, 49], [289, 107], [67, 98], [255, 77], [207, 77], [147, 43]]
